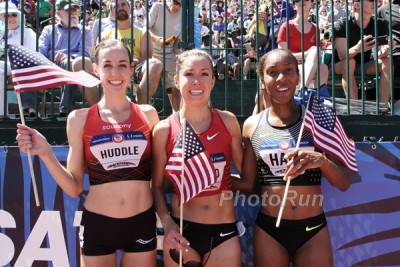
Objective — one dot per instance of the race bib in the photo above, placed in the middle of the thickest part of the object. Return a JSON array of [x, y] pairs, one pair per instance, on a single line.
[[273, 152], [219, 162], [119, 150]]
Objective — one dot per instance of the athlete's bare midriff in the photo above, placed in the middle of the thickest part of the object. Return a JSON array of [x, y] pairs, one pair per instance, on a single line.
[[207, 210], [302, 201], [119, 199]]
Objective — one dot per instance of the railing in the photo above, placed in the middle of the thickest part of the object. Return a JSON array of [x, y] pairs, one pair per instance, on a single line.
[[235, 90]]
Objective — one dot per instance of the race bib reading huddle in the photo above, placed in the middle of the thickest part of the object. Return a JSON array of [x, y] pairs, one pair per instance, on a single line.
[[118, 150]]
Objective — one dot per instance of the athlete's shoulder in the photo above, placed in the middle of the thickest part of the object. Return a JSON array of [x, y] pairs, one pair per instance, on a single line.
[[150, 113]]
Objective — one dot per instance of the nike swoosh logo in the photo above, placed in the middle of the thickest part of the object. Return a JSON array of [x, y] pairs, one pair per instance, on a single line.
[[212, 136], [308, 229], [263, 135], [225, 234], [144, 242]]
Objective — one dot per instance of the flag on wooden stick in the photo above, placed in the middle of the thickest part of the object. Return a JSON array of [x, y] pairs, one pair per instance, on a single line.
[[31, 71], [328, 133], [199, 171]]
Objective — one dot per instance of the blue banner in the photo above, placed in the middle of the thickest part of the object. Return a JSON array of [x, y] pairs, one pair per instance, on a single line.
[[364, 222]]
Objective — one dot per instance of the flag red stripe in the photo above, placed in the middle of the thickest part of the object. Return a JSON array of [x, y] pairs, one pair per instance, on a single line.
[[199, 172], [346, 150], [329, 143], [48, 77], [42, 87]]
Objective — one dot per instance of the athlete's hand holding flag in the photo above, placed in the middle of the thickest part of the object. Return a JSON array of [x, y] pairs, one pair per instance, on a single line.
[[31, 71], [328, 135]]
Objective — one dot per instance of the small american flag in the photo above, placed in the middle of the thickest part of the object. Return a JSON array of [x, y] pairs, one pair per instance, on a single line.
[[199, 171], [328, 133], [31, 71]]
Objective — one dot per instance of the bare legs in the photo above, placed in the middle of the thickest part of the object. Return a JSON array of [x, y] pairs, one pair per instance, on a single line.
[[92, 94], [310, 69], [155, 69]]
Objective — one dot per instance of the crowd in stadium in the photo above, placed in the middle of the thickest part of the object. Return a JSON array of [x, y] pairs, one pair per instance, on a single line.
[[236, 33]]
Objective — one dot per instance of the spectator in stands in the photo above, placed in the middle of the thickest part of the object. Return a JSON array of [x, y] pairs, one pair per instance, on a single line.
[[118, 212], [324, 24], [383, 13], [95, 5], [354, 50], [214, 12], [325, 4], [28, 14], [106, 23], [88, 19], [71, 59], [218, 28], [204, 29], [139, 9], [45, 10], [31, 14], [141, 51], [13, 36], [338, 12], [140, 22], [170, 42], [311, 40], [220, 6], [234, 43], [286, 13], [260, 30]]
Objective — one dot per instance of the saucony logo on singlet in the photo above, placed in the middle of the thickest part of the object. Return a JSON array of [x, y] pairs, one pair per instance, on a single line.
[[144, 242], [225, 234], [117, 126], [313, 227], [212, 136]]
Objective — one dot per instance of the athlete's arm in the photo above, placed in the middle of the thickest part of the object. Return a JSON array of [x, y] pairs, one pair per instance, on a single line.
[[300, 160], [70, 179], [151, 115], [233, 127], [249, 163]]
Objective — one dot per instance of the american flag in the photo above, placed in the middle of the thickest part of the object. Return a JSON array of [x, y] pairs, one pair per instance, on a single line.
[[31, 71], [328, 133], [199, 171]]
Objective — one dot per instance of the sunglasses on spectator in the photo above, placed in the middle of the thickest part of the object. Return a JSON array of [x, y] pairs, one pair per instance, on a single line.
[[14, 15], [139, 16], [176, 3]]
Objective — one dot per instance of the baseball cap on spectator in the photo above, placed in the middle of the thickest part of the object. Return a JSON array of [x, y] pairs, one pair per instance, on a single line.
[[64, 5], [12, 8]]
